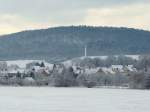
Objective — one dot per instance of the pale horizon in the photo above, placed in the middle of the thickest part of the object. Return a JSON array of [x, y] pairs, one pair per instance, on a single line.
[[16, 15]]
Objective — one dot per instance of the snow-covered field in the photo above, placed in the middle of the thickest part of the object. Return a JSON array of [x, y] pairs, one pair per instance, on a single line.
[[23, 63], [35, 99], [71, 62]]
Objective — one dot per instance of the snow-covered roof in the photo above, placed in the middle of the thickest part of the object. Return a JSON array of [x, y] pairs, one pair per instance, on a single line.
[[107, 70], [131, 68], [117, 66], [91, 71], [16, 71]]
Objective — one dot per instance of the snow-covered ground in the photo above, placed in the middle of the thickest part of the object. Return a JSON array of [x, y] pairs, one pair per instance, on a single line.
[[71, 62], [23, 63], [34, 99]]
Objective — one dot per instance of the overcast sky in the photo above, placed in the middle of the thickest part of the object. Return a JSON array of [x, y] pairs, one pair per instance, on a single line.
[[18, 15]]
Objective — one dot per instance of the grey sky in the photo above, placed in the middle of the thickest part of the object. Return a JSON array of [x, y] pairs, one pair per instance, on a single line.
[[29, 14]]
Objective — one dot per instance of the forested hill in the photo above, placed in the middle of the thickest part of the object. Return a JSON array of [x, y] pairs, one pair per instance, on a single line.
[[60, 43]]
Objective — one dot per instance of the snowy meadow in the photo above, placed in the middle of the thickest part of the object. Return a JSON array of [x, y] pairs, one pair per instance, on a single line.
[[46, 99]]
